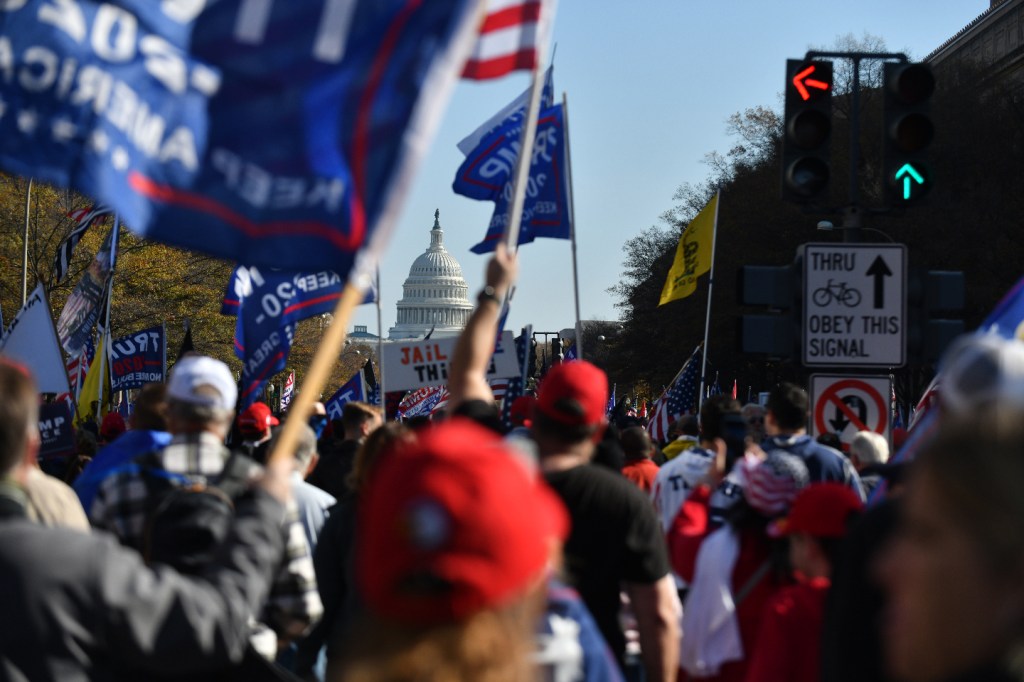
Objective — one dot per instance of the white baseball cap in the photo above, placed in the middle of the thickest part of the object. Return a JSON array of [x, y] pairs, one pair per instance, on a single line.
[[194, 371]]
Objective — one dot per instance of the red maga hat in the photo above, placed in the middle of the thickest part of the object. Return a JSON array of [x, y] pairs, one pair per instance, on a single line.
[[452, 524], [574, 393]]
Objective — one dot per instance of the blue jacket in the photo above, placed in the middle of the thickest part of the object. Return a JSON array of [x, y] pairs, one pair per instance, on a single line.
[[823, 463], [125, 448]]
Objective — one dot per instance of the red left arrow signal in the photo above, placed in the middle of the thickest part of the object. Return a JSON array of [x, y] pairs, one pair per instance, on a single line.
[[802, 81]]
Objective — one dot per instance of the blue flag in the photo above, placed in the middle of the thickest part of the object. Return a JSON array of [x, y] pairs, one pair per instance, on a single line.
[[273, 133], [487, 172], [353, 389], [137, 359], [269, 303]]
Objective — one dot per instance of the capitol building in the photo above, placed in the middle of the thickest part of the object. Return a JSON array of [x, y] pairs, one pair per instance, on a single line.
[[434, 296]]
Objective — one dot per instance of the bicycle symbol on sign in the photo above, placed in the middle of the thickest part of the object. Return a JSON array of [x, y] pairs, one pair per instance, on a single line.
[[836, 291]]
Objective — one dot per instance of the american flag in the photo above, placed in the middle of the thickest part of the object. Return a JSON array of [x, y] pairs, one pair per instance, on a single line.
[[77, 367], [513, 386], [499, 387], [84, 218], [419, 402], [680, 398], [442, 401], [610, 407], [288, 391], [509, 36]]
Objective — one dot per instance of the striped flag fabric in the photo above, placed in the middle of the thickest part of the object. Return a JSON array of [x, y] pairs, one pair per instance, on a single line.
[[680, 398], [508, 38], [442, 401], [499, 387], [78, 365], [289, 391], [84, 218]]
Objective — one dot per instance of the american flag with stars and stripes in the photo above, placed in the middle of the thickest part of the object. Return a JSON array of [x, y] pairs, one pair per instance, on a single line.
[[84, 218], [513, 386], [77, 367], [442, 401], [509, 36], [680, 398]]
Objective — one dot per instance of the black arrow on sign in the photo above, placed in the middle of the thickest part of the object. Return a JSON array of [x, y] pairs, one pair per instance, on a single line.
[[840, 422], [879, 270]]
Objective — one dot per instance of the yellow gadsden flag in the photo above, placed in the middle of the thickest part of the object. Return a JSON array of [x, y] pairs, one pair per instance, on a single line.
[[91, 390], [694, 254]]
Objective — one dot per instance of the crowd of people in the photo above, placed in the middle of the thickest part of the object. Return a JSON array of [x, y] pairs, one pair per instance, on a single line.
[[572, 548]]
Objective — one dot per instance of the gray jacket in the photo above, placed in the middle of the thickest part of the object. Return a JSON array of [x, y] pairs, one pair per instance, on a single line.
[[82, 607]]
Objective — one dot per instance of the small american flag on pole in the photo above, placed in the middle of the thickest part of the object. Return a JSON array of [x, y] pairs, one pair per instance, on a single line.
[[680, 398], [509, 35]]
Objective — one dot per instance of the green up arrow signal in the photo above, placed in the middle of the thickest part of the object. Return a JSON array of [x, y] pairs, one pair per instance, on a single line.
[[909, 175]]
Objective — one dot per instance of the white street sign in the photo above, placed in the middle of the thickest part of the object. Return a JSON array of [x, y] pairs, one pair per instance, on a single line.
[[844, 405], [854, 305]]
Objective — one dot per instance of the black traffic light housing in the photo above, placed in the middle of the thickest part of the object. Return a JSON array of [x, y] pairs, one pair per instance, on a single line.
[[556, 350], [907, 132], [808, 130], [931, 296], [776, 334]]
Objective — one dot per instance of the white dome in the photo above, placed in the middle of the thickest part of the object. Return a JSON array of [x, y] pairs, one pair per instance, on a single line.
[[434, 295]]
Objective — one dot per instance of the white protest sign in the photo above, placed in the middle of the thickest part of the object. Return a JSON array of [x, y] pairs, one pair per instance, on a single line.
[[425, 363]]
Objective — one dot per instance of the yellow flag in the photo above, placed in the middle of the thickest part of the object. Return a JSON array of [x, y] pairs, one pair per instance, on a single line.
[[91, 386], [693, 255]]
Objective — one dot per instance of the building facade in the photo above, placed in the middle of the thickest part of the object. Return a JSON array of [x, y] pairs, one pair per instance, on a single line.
[[434, 296]]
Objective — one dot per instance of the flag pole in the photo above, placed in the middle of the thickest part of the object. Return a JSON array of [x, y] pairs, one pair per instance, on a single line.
[[711, 283], [104, 366], [380, 346], [163, 335], [24, 262], [522, 171], [319, 371], [572, 228]]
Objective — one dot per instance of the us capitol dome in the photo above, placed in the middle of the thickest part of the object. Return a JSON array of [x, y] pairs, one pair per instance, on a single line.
[[434, 295]]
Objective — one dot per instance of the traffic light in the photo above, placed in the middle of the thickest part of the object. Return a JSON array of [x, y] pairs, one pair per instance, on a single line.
[[808, 130], [556, 350], [777, 334], [931, 296], [908, 130]]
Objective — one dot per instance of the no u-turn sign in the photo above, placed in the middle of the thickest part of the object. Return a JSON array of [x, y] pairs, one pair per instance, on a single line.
[[846, 404]]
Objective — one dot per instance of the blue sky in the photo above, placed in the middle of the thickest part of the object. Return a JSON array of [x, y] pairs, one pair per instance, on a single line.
[[650, 86]]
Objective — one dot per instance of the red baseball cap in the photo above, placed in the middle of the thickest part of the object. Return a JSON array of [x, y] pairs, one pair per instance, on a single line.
[[574, 393], [820, 510], [112, 426], [256, 419], [521, 411], [452, 524]]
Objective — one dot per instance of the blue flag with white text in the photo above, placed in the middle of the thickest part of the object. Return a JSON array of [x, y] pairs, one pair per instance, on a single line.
[[138, 359], [269, 303], [351, 390], [270, 132], [487, 172]]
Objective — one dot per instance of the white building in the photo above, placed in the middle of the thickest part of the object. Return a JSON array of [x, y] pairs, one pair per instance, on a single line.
[[435, 294]]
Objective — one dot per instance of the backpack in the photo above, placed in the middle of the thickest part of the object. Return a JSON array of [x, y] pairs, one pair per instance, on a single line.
[[188, 517]]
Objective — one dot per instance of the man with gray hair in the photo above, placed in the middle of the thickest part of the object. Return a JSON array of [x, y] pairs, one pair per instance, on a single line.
[[312, 502], [869, 451], [201, 396]]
